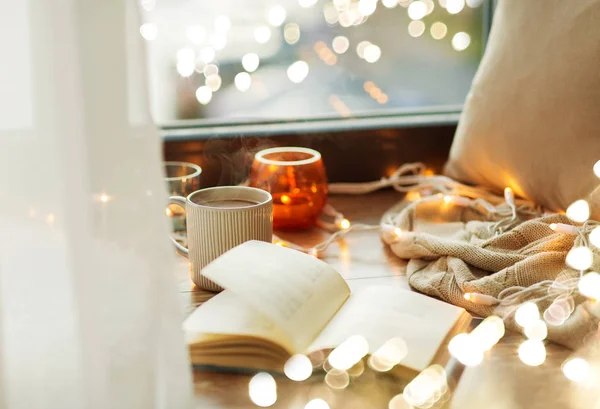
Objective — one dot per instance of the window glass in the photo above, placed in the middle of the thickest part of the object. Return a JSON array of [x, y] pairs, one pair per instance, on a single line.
[[244, 61]]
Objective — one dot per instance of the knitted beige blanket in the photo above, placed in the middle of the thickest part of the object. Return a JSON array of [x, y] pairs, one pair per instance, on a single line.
[[456, 249]]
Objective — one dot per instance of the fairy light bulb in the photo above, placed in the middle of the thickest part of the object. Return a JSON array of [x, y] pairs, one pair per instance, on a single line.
[[532, 353], [576, 369], [527, 314], [565, 228], [579, 211], [344, 224], [579, 258], [481, 299], [595, 237], [589, 285]]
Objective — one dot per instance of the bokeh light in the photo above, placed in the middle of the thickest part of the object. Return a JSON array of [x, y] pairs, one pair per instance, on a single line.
[[214, 82], [149, 31], [367, 7], [390, 354], [488, 332], [337, 379], [595, 237], [298, 368], [430, 6], [307, 3], [291, 33], [576, 369], [390, 4], [455, 6], [207, 54], [262, 34], [372, 53], [298, 71], [537, 331], [243, 81], [276, 15], [204, 94], [532, 353], [417, 10], [222, 23], [461, 41], [527, 314], [340, 44], [589, 285], [597, 169], [210, 69], [579, 258], [250, 62], [579, 211], [262, 389], [416, 28], [317, 404], [348, 353], [465, 349], [360, 48], [438, 30], [427, 387], [474, 3]]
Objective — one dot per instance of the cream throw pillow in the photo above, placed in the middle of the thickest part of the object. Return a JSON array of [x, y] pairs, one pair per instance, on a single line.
[[532, 118]]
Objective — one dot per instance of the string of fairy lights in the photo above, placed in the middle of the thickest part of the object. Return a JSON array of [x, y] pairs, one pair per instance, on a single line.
[[206, 44], [431, 387]]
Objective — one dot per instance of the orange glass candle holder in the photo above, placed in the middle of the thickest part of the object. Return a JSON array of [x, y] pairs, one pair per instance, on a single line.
[[296, 179]]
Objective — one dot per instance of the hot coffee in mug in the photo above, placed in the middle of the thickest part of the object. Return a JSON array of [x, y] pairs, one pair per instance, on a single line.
[[219, 219]]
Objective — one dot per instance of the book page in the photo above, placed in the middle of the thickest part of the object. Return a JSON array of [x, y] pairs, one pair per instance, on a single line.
[[298, 292], [380, 313], [227, 314]]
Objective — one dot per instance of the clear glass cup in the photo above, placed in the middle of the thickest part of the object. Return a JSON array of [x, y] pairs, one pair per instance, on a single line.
[[296, 179], [182, 179]]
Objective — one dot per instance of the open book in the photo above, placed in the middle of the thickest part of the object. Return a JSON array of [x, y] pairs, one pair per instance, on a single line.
[[280, 302]]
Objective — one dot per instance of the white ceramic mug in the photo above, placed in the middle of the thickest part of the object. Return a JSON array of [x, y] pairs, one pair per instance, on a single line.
[[219, 219]]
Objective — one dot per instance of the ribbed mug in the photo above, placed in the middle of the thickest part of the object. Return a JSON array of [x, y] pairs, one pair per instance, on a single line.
[[219, 219]]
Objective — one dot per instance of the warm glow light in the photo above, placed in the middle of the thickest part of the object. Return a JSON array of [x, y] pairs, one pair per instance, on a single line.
[[210, 69], [207, 54], [148, 5], [360, 48], [317, 404], [372, 53], [243, 81], [466, 350], [527, 314], [186, 68], [307, 3], [416, 28], [250, 62], [218, 41], [298, 368], [413, 196], [340, 44], [398, 402], [390, 4], [337, 379], [367, 7], [589, 285], [461, 41], [430, 6], [50, 219], [196, 33], [291, 33], [537, 331], [576, 369], [276, 15], [204, 94], [104, 198], [345, 224], [597, 168], [417, 10], [391, 353], [559, 311], [169, 212], [455, 6], [474, 3], [488, 333], [222, 23], [532, 353], [579, 211], [427, 388], [438, 30], [262, 390], [330, 13], [579, 258], [214, 82], [285, 199], [149, 31], [348, 353], [298, 71], [186, 54], [262, 34]]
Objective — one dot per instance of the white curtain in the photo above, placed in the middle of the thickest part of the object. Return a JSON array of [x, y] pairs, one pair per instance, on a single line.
[[89, 316]]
